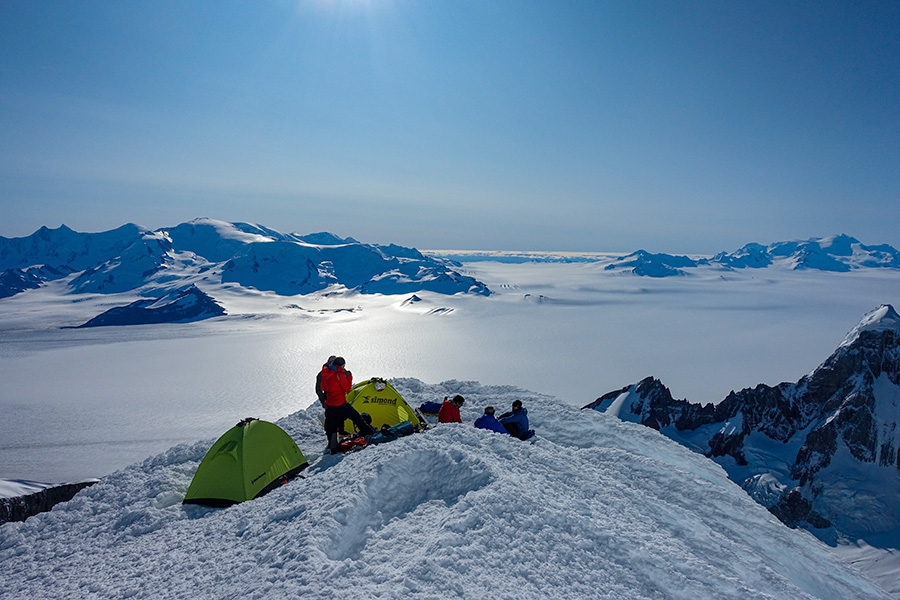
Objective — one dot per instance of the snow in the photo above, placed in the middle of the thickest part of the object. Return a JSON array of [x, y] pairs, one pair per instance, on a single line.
[[883, 318], [592, 508], [878, 563], [229, 231], [21, 487], [616, 507], [623, 399], [113, 396]]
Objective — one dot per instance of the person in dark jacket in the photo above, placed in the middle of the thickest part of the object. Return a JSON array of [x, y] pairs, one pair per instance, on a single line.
[[336, 382], [449, 412], [489, 421], [320, 393], [516, 421]]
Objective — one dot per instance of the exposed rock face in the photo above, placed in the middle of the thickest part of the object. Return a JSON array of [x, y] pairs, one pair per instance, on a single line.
[[180, 306], [839, 424], [22, 507], [13, 281]]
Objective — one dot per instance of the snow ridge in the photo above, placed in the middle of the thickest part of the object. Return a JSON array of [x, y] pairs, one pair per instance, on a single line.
[[883, 318], [593, 508]]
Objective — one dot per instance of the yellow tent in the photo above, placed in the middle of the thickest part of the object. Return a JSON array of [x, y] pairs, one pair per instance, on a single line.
[[384, 404]]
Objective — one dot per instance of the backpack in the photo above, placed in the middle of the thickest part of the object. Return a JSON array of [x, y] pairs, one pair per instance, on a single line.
[[320, 393], [389, 434]]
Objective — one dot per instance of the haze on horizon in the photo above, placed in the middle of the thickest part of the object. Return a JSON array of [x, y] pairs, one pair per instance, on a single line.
[[688, 127]]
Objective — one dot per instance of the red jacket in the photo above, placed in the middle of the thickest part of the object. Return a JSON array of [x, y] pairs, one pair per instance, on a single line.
[[449, 413], [336, 383]]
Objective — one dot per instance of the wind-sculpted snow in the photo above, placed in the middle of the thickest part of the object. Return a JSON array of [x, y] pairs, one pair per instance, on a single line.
[[592, 508]]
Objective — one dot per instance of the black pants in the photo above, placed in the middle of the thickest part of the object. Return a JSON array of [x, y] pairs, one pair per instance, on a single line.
[[336, 415]]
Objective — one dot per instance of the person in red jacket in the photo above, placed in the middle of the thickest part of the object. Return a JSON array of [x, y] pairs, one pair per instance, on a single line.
[[336, 382], [449, 412]]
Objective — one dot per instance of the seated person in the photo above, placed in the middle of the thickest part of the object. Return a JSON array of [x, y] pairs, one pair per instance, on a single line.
[[516, 421], [489, 421], [449, 412]]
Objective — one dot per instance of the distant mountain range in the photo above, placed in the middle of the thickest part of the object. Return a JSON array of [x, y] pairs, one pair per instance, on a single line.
[[822, 453], [838, 253], [163, 265], [166, 265]]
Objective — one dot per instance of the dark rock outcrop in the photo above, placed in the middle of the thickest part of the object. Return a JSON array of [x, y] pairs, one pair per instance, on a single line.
[[13, 281], [180, 306], [847, 407], [22, 507]]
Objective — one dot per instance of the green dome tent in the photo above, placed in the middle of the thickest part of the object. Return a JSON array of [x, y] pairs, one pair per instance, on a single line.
[[384, 403], [250, 459]]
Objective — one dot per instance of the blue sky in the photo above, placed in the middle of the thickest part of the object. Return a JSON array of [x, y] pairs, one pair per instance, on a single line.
[[608, 126]]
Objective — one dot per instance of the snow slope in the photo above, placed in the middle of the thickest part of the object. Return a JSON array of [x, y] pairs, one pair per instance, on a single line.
[[593, 508]]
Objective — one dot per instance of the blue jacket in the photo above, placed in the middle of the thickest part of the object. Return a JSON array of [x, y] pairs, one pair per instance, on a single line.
[[516, 423], [490, 423]]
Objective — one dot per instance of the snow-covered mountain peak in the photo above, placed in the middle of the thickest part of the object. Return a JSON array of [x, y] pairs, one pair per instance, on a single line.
[[324, 238], [883, 318], [210, 253], [840, 244], [242, 232]]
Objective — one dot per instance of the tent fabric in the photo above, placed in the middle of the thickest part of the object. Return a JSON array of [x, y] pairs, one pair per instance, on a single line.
[[383, 403], [250, 459]]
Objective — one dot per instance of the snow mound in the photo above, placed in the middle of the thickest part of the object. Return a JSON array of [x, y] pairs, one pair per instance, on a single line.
[[593, 508]]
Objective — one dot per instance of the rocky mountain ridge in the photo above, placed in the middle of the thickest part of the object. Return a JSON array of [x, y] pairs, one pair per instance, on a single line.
[[822, 453]]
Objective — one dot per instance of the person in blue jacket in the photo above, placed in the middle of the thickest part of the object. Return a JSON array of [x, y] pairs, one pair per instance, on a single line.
[[489, 421], [516, 421]]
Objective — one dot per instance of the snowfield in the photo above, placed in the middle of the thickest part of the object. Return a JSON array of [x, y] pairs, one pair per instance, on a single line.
[[593, 508]]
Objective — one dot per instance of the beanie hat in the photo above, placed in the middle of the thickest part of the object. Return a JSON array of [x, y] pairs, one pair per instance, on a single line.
[[489, 410], [339, 361]]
